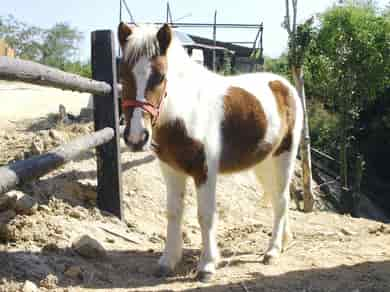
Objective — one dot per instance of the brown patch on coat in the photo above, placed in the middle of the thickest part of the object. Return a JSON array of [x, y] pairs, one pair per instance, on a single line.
[[181, 152], [243, 131], [287, 111]]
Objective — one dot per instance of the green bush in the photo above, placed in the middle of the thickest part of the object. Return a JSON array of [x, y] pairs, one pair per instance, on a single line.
[[324, 127]]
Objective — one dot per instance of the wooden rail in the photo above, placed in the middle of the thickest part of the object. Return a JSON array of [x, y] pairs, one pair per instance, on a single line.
[[24, 170], [31, 72]]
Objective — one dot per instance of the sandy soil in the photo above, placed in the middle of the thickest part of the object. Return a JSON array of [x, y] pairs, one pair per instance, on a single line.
[[330, 252], [23, 101]]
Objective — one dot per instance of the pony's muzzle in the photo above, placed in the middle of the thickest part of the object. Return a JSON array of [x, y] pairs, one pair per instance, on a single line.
[[136, 143]]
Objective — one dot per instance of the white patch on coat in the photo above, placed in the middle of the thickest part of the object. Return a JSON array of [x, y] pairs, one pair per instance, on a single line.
[[141, 73]]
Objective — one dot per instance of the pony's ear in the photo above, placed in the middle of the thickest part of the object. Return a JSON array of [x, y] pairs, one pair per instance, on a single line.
[[164, 37], [124, 31]]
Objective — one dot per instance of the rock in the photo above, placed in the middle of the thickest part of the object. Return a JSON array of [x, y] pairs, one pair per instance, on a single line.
[[110, 240], [50, 248], [37, 147], [5, 217], [186, 238], [75, 214], [56, 135], [23, 203], [345, 231], [74, 272], [50, 282], [20, 156], [82, 189], [6, 201], [380, 228], [44, 134], [39, 237], [61, 113], [89, 247], [86, 114], [29, 287], [154, 239], [44, 208]]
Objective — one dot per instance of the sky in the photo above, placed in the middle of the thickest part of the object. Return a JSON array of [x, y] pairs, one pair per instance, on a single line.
[[89, 15]]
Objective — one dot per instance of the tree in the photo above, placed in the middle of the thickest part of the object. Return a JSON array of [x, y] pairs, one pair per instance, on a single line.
[[348, 70], [25, 40], [299, 39], [59, 45], [55, 46], [278, 65]]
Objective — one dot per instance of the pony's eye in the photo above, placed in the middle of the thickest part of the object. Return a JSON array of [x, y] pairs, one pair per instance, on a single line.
[[160, 77], [156, 78]]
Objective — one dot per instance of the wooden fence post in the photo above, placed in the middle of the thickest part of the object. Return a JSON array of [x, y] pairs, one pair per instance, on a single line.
[[109, 172]]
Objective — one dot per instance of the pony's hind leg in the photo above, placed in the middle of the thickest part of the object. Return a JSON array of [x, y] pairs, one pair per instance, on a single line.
[[275, 175], [176, 183]]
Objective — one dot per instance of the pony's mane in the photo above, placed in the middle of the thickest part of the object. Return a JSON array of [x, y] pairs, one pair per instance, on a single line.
[[141, 43]]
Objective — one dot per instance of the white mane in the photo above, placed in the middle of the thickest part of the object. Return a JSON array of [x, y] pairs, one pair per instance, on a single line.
[[142, 42]]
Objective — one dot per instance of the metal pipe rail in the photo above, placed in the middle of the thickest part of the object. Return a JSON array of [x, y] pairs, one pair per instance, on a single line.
[[206, 25]]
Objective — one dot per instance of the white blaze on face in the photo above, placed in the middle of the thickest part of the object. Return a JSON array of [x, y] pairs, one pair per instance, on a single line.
[[141, 72]]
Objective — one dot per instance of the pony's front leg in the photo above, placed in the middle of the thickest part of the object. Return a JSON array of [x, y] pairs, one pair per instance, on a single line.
[[207, 216], [176, 183]]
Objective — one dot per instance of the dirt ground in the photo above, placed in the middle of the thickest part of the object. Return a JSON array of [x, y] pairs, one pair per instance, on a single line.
[[38, 243], [25, 101]]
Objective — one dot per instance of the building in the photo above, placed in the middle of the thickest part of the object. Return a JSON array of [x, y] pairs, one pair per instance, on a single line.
[[6, 50], [201, 50]]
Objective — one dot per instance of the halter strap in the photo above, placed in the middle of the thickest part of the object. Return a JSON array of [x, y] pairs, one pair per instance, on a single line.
[[151, 109]]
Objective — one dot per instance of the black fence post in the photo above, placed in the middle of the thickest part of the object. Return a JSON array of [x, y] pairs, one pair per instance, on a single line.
[[109, 173]]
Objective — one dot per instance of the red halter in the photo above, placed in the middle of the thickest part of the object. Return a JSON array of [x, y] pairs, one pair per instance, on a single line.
[[153, 110]]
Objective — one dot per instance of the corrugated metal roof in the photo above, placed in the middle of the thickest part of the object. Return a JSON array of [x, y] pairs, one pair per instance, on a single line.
[[187, 41], [184, 38]]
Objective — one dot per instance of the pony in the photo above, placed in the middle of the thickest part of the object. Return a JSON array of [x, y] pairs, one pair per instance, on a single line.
[[200, 124]]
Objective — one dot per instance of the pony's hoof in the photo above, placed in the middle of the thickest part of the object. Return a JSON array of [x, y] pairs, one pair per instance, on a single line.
[[163, 272], [269, 259], [204, 277]]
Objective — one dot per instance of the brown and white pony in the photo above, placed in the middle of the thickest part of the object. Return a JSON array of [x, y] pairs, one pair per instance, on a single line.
[[201, 124]]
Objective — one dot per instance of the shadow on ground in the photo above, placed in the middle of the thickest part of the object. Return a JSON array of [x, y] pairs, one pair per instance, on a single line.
[[134, 269]]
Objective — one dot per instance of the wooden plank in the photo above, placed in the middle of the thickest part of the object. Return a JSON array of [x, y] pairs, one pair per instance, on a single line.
[[34, 167], [31, 72], [106, 114]]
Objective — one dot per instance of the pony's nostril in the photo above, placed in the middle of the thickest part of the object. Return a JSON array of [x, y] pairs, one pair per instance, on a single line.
[[145, 137]]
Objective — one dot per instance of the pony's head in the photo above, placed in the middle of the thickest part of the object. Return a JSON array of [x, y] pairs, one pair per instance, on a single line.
[[143, 76]]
